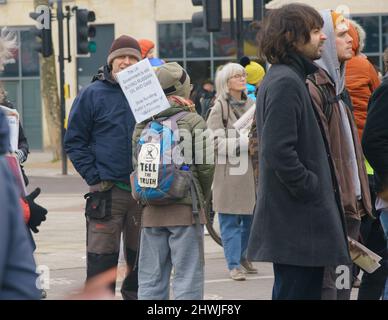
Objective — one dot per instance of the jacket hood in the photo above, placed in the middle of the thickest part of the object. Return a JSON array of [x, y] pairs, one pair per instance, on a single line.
[[356, 41], [4, 134], [104, 73], [329, 60]]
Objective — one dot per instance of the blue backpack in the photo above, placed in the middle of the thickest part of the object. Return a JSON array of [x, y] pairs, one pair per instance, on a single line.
[[160, 177]]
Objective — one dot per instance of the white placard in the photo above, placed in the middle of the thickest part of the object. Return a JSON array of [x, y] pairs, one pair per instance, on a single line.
[[142, 90], [148, 165], [246, 120], [13, 123]]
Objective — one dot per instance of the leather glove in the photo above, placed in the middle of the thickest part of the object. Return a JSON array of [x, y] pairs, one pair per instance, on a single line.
[[38, 213]]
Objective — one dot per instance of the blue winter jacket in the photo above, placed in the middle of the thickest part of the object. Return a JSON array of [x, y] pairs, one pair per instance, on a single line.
[[17, 266], [99, 133], [251, 91]]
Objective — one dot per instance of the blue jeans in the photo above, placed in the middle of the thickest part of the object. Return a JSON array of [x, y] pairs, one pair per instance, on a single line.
[[163, 249], [235, 229], [384, 224]]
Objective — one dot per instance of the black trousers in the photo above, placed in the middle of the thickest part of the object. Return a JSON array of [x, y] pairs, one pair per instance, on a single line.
[[297, 282], [372, 236]]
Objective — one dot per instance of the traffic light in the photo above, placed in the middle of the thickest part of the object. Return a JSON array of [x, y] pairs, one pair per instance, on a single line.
[[210, 17], [42, 31], [85, 31]]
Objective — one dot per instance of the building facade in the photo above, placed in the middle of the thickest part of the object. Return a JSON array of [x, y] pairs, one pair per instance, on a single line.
[[168, 23]]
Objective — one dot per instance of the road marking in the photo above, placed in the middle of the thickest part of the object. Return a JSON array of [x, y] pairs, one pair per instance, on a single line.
[[231, 280], [60, 195]]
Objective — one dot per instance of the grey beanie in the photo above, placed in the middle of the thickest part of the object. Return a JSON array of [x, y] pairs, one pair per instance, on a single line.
[[174, 80]]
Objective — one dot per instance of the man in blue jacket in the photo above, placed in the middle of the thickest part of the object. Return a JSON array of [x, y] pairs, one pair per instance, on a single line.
[[98, 142]]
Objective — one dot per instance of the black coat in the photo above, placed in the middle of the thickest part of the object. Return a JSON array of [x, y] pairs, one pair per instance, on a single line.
[[298, 218], [375, 135]]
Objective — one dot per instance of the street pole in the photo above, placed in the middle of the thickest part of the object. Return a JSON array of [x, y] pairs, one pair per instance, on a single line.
[[232, 26], [61, 59], [240, 38]]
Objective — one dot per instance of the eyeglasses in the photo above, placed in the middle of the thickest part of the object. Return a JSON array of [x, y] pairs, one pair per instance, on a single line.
[[239, 76]]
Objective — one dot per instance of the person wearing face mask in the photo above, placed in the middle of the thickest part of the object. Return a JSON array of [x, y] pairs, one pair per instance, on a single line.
[[98, 142], [332, 104], [233, 193]]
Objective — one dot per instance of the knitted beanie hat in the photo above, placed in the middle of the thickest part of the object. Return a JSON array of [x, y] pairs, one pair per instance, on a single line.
[[124, 46], [255, 73], [145, 46], [173, 79]]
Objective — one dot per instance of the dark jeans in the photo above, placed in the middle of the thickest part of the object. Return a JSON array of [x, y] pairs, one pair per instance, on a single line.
[[297, 282], [329, 289], [372, 236], [372, 284]]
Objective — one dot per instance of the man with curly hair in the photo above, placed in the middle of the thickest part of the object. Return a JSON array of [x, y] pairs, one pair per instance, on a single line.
[[298, 215]]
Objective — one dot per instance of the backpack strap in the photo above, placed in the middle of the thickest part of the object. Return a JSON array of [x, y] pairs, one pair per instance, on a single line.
[[171, 122], [326, 97], [224, 119]]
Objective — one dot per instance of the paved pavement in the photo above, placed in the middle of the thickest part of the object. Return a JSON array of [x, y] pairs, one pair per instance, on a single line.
[[61, 240]]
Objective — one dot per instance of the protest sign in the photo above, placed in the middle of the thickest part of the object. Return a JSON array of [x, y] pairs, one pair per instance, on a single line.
[[142, 90], [13, 123], [148, 165], [246, 120]]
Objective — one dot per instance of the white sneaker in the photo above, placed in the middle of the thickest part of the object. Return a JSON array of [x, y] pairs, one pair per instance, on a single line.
[[236, 274]]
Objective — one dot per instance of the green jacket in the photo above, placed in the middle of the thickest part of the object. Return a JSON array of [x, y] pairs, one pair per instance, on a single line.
[[202, 173]]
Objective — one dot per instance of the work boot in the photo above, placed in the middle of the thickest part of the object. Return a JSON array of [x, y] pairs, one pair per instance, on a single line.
[[237, 275], [247, 267]]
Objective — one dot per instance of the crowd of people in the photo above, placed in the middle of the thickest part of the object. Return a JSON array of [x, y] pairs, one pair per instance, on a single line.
[[315, 173]]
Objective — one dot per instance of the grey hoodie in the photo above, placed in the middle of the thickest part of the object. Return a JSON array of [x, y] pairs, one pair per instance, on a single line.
[[329, 62]]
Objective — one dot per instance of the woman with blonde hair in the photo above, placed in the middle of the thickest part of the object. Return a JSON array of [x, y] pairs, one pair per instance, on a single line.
[[233, 189]]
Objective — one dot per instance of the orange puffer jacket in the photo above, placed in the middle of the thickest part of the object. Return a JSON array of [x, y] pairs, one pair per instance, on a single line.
[[361, 80]]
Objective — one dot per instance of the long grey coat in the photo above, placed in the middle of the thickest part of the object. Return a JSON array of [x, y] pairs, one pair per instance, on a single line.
[[298, 218], [232, 193]]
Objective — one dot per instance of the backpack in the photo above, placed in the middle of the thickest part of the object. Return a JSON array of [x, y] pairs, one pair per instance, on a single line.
[[160, 177]]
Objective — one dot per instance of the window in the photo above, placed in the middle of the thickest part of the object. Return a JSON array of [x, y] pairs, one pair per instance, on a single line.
[[171, 40], [197, 42], [376, 28], [21, 79], [385, 32], [224, 46], [198, 51], [371, 27], [29, 58]]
